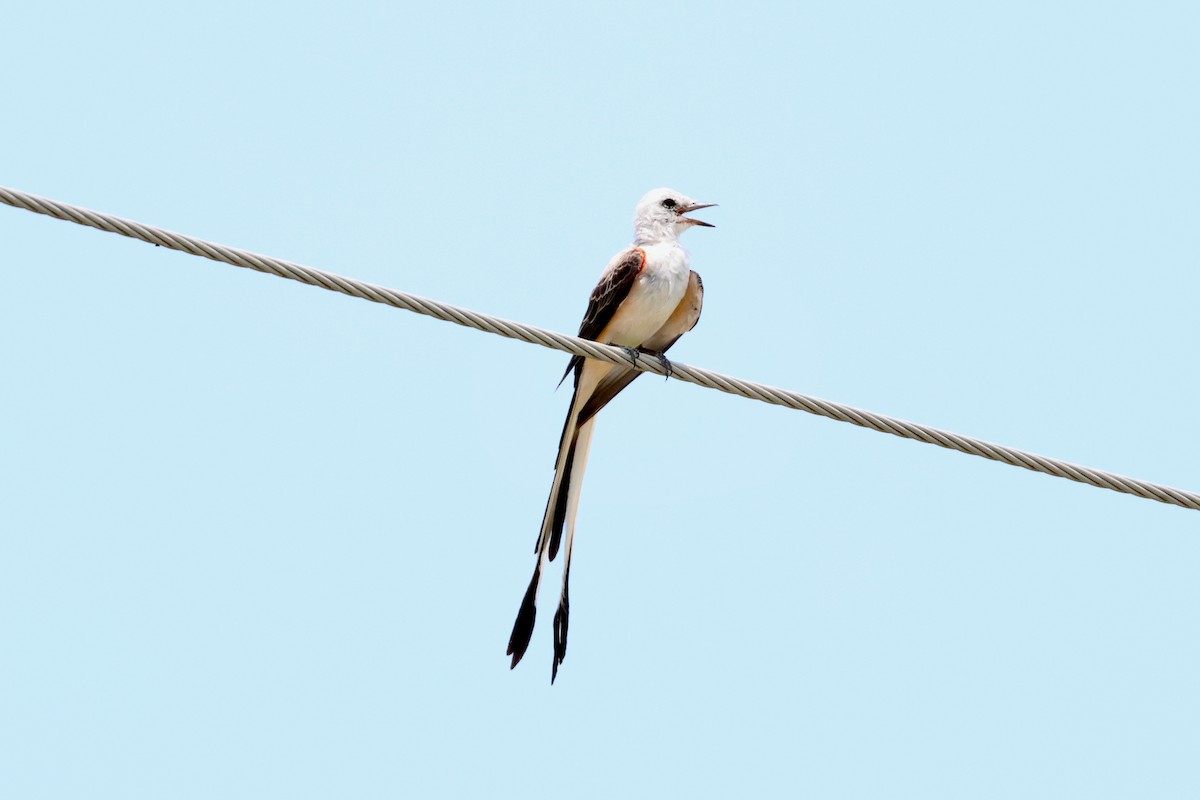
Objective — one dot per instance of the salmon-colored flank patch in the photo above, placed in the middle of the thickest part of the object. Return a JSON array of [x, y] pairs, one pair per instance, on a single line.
[[643, 252]]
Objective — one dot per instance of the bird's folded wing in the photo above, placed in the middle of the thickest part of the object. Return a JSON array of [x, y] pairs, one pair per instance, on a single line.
[[610, 292], [682, 319]]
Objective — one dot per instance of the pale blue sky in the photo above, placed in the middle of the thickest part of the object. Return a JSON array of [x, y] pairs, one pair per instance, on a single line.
[[260, 540]]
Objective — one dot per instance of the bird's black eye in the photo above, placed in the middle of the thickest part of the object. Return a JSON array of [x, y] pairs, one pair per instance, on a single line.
[[669, 203]]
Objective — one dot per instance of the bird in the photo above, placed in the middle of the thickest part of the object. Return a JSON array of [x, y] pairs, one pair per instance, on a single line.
[[647, 297]]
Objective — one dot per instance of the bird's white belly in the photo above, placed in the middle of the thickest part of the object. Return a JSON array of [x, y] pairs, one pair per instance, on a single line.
[[654, 295]]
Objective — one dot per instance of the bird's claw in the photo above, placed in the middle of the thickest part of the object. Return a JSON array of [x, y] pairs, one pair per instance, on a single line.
[[668, 370], [666, 365], [636, 353]]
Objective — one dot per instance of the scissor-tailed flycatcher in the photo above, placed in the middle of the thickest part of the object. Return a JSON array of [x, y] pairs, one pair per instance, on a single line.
[[646, 299]]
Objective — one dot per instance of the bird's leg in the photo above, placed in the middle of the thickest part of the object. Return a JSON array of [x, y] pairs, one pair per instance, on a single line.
[[633, 353], [662, 359], [666, 365]]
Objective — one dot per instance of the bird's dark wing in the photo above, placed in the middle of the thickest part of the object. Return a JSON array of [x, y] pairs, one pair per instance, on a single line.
[[607, 297], [682, 319]]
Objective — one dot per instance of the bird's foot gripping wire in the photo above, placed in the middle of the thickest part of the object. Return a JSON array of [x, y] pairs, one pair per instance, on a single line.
[[635, 353], [668, 370]]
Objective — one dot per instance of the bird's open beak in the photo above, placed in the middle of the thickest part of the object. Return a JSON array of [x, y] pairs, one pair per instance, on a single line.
[[695, 207]]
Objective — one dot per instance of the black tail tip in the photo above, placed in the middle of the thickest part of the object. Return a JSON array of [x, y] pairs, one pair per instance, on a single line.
[[561, 618], [522, 632]]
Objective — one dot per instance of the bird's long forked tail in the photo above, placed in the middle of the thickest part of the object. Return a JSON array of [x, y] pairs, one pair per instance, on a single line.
[[549, 536], [561, 509], [579, 457]]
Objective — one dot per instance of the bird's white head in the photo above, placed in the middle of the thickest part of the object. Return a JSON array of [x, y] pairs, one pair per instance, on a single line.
[[660, 216]]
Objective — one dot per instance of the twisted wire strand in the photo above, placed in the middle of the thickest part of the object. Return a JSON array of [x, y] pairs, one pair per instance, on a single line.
[[590, 349]]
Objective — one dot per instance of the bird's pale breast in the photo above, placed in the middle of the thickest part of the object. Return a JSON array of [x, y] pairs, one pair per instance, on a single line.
[[655, 294]]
